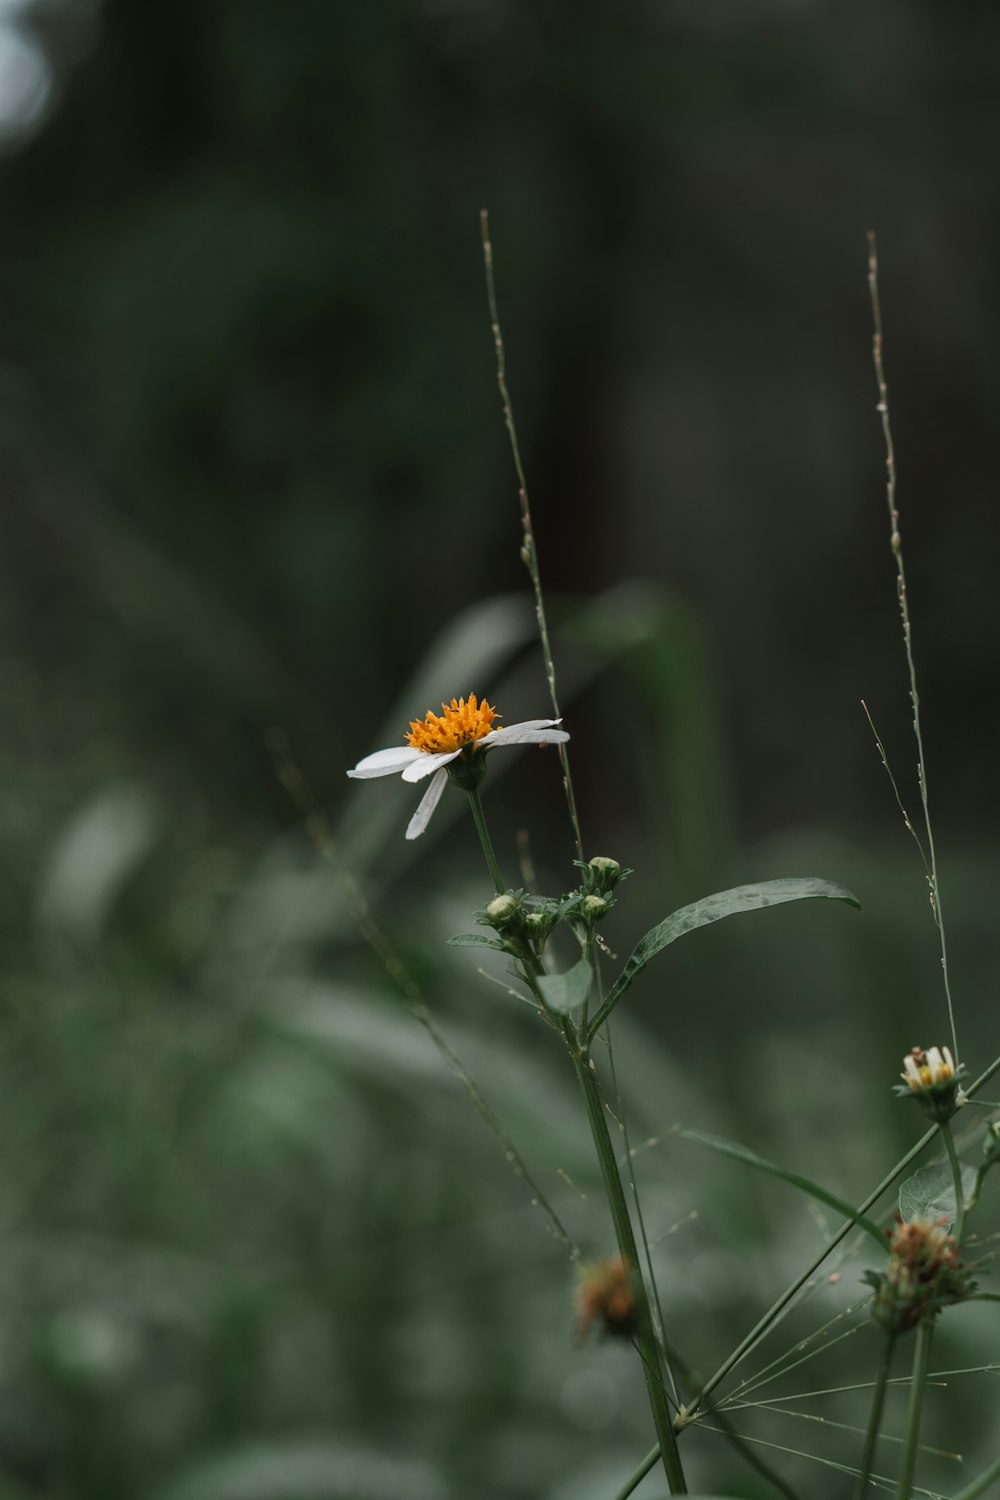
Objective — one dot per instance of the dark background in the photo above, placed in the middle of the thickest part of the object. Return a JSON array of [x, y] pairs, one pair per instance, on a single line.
[[255, 476]]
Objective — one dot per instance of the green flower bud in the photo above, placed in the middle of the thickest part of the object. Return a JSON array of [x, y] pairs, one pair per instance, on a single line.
[[601, 874], [502, 911], [593, 908]]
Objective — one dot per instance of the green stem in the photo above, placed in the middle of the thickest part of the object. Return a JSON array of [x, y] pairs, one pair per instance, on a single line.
[[981, 1485], [648, 1353], [911, 1436], [956, 1172], [875, 1418], [484, 838]]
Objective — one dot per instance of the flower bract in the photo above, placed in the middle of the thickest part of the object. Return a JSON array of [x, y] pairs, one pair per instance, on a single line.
[[463, 730]]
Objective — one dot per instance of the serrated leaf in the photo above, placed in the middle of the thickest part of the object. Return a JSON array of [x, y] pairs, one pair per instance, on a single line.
[[713, 909], [795, 1179], [930, 1193], [475, 940], [565, 992]]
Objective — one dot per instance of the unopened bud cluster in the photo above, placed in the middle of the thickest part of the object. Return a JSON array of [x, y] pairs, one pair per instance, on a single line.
[[922, 1277]]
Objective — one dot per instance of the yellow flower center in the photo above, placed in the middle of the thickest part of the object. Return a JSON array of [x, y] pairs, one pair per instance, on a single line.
[[461, 723]]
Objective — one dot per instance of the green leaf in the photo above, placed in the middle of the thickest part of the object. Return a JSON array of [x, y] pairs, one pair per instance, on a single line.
[[713, 909], [564, 992], [930, 1193], [804, 1184], [475, 940]]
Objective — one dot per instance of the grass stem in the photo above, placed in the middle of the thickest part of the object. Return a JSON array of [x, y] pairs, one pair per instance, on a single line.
[[645, 1341], [529, 551], [896, 545], [875, 1416], [956, 1172], [914, 1413]]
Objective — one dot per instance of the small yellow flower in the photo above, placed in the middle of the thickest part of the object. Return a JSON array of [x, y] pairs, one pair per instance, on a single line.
[[464, 727]]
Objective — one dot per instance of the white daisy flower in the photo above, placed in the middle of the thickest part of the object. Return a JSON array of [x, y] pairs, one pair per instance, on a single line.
[[464, 728]]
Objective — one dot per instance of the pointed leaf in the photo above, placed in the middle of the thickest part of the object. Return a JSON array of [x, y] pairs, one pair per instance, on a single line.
[[930, 1193], [713, 909], [475, 940], [564, 992], [804, 1184]]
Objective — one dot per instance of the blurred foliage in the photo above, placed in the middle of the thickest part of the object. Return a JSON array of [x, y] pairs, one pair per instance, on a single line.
[[257, 1243]]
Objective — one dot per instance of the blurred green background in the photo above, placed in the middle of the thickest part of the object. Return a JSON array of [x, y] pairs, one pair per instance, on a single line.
[[256, 1244]]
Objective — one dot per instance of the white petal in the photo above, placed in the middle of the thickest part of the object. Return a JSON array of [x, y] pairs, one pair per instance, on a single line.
[[426, 765], [525, 734], [385, 762], [497, 736], [912, 1074], [948, 1059], [428, 803]]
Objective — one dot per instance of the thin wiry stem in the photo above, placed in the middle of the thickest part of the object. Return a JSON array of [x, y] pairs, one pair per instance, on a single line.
[[484, 838], [875, 1419], [895, 790], [655, 1307], [895, 542], [911, 1433], [529, 551], [648, 1349], [979, 1486], [317, 826], [956, 1174]]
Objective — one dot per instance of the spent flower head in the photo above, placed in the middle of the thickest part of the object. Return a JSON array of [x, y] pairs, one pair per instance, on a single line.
[[931, 1077], [922, 1277], [452, 743], [607, 1293]]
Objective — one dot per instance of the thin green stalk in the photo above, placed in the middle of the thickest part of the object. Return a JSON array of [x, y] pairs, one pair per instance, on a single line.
[[981, 1485], [484, 838], [875, 1417], [956, 1172], [648, 1351], [529, 552], [896, 545], [911, 1434]]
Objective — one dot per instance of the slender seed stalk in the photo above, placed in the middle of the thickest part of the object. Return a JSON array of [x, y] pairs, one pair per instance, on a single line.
[[648, 1351], [529, 552], [981, 1485], [911, 1436], [875, 1417], [956, 1172], [896, 546], [484, 838]]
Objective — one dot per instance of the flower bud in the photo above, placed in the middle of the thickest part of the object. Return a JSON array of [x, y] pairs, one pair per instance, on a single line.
[[502, 911], [593, 908], [601, 874]]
